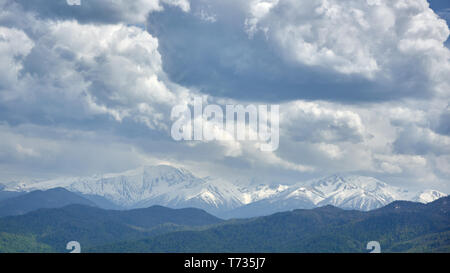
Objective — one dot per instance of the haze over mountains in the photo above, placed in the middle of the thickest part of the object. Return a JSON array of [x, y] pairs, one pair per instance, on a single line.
[[179, 188]]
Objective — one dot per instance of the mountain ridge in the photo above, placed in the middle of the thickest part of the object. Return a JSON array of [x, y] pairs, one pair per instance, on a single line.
[[402, 226], [52, 198], [88, 225], [178, 188]]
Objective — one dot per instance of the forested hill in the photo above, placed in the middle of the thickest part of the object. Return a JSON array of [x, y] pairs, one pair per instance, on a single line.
[[51, 229], [399, 227]]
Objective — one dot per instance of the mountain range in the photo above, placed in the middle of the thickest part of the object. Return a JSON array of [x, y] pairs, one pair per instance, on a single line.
[[49, 230], [178, 188], [401, 226], [53, 198]]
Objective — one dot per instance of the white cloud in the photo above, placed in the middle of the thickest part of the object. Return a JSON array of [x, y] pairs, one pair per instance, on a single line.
[[97, 69], [97, 85], [395, 163], [14, 46], [374, 39], [207, 17], [25, 153], [319, 121], [183, 4], [74, 2], [422, 141], [331, 150]]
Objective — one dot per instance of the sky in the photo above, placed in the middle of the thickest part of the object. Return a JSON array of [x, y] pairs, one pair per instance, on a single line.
[[363, 87]]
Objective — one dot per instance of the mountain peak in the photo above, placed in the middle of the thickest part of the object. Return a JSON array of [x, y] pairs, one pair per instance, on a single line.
[[176, 187], [428, 196]]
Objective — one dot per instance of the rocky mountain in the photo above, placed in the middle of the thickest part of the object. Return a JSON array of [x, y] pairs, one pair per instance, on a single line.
[[347, 192], [427, 196], [148, 186], [179, 188]]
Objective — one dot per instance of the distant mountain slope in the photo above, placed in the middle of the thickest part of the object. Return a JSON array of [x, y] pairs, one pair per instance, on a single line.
[[400, 227], [9, 194], [153, 185], [102, 202], [347, 192], [178, 188], [92, 226], [53, 198]]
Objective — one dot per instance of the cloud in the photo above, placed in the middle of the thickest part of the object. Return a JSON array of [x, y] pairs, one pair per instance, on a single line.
[[329, 50], [86, 89], [14, 46], [24, 154], [401, 163], [74, 71], [369, 38], [319, 122], [443, 126], [100, 11], [73, 2], [421, 141]]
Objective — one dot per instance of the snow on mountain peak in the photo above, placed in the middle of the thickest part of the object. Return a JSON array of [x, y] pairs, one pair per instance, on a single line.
[[177, 187], [357, 192], [366, 193], [428, 196], [255, 193], [344, 191]]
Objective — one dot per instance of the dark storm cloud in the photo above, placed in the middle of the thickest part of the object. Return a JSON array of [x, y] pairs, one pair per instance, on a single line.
[[220, 59]]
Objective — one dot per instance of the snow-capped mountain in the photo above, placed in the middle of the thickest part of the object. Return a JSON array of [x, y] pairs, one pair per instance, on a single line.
[[347, 192], [357, 192], [179, 188], [153, 185], [427, 196]]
